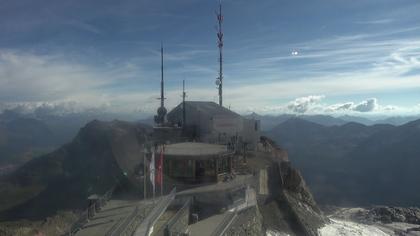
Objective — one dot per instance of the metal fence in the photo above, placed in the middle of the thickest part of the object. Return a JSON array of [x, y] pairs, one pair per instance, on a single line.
[[153, 216], [161, 208], [129, 224], [89, 212], [224, 225], [178, 224], [237, 206]]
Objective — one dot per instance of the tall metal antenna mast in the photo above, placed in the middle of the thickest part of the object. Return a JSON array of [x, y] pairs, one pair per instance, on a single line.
[[219, 81], [162, 96], [161, 112]]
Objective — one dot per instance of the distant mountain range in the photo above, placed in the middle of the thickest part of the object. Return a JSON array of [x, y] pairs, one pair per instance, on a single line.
[[355, 164], [394, 120], [25, 136], [268, 122]]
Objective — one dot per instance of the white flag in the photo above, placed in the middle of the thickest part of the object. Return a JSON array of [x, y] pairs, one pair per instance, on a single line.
[[152, 170]]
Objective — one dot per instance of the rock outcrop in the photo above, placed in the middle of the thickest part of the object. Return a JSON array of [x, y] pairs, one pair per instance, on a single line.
[[382, 214], [296, 205]]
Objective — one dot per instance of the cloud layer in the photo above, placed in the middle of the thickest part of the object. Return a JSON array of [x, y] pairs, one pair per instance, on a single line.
[[72, 57], [303, 104], [316, 104], [30, 82]]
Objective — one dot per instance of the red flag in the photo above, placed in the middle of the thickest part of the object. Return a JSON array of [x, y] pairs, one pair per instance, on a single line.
[[159, 177]]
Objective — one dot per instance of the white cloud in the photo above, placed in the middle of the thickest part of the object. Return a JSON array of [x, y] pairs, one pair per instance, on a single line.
[[340, 107], [366, 106], [376, 22], [28, 77], [315, 104], [303, 104], [29, 81], [390, 108]]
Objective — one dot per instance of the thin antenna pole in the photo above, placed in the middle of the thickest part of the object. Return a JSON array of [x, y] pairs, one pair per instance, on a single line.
[[220, 45], [162, 96], [161, 112]]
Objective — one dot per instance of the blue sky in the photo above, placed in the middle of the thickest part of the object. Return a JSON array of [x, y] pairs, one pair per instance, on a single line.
[[320, 56]]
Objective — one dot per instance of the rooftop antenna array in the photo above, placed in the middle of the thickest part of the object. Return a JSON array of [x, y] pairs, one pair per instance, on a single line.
[[161, 112], [219, 80]]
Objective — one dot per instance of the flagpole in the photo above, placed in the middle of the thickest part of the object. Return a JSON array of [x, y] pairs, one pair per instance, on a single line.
[[161, 170], [152, 173], [144, 174], [163, 156], [154, 176]]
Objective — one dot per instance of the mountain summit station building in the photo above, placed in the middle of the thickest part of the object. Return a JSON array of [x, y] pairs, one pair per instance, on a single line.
[[210, 123]]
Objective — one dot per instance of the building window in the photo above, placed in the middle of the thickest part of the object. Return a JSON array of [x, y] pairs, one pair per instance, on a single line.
[[223, 166], [182, 168]]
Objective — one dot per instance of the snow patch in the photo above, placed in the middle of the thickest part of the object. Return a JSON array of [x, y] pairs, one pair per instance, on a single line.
[[344, 228], [271, 232]]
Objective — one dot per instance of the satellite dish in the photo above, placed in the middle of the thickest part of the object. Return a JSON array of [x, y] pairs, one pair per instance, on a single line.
[[217, 82]]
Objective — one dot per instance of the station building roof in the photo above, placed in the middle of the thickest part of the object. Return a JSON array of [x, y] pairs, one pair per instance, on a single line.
[[209, 108]]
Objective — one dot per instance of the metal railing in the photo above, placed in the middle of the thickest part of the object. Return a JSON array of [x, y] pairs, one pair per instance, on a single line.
[[235, 208], [224, 225], [171, 228], [128, 225], [157, 211], [89, 212], [160, 208]]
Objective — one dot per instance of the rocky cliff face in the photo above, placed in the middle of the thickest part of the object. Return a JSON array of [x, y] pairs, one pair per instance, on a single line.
[[291, 201], [301, 202]]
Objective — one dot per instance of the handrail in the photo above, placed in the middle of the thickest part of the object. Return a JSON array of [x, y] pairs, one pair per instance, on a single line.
[[177, 216], [230, 216], [157, 211], [84, 216], [161, 206], [122, 227], [225, 223]]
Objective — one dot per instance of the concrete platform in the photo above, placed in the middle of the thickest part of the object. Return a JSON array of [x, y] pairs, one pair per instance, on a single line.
[[239, 180], [207, 226], [113, 213]]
